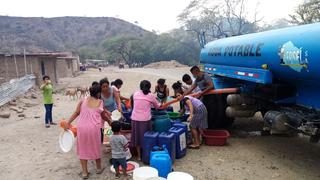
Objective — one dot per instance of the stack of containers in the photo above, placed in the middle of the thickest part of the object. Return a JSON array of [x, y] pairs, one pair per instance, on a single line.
[[150, 140], [172, 134]]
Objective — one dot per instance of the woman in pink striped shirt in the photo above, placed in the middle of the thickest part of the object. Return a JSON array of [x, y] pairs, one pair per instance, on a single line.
[[143, 101]]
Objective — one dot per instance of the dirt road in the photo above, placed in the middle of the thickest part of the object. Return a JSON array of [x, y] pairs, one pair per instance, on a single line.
[[30, 151]]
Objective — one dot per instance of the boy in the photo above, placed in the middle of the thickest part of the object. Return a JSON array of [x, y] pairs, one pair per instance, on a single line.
[[119, 145], [187, 79]]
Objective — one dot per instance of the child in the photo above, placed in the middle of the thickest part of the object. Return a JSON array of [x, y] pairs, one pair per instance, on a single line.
[[197, 117], [119, 145], [162, 90], [47, 90]]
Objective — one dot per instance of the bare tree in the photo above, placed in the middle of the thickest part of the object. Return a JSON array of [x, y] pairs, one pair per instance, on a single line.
[[306, 13], [214, 21]]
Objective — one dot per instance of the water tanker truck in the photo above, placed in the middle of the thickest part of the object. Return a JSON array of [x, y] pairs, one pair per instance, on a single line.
[[276, 72]]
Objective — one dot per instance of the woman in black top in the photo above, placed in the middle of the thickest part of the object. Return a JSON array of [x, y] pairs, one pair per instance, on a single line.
[[162, 90]]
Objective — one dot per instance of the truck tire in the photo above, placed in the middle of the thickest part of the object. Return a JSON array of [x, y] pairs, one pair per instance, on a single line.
[[216, 105]]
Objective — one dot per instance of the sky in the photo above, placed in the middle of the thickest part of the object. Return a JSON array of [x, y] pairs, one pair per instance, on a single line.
[[158, 15]]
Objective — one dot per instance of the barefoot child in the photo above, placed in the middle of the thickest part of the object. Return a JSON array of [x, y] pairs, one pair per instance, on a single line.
[[119, 145]]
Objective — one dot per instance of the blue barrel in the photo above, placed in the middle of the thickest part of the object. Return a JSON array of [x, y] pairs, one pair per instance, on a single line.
[[161, 124], [162, 162], [181, 141], [169, 140], [150, 140]]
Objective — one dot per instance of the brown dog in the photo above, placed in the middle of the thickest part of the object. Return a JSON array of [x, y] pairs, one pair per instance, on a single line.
[[72, 92], [84, 91]]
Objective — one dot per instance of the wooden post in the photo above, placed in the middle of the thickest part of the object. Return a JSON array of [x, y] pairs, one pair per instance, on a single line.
[[7, 69], [15, 63], [25, 61]]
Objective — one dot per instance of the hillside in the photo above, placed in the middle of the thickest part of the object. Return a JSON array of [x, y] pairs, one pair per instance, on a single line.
[[62, 33]]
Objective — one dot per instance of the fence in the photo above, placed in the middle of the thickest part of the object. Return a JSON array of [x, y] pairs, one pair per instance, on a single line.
[[15, 87]]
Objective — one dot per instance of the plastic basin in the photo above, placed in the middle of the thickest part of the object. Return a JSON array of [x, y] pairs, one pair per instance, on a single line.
[[215, 137], [174, 115]]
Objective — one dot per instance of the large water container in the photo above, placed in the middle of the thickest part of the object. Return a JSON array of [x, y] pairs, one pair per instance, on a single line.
[[169, 140], [180, 125], [185, 127], [161, 124], [150, 140], [162, 162], [181, 141]]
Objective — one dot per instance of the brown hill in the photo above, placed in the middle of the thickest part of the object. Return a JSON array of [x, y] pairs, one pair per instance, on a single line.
[[61, 33]]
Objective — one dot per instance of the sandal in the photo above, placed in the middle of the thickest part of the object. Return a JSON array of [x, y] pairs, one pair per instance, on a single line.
[[100, 171], [84, 176], [194, 146]]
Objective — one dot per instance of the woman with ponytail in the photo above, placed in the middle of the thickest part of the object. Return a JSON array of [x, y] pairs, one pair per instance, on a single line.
[[143, 100]]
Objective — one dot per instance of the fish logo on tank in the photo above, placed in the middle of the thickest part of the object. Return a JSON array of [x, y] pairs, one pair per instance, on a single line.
[[293, 57]]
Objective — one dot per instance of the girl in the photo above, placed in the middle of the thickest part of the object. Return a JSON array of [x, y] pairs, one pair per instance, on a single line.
[[117, 84], [143, 101], [90, 115], [162, 90], [197, 117]]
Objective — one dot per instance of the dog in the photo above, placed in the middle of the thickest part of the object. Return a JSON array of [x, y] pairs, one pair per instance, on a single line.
[[84, 91], [72, 93]]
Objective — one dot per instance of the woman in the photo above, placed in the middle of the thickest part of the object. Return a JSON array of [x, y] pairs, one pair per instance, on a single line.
[[91, 118], [111, 99], [47, 90], [117, 84], [197, 118], [162, 90], [143, 101]]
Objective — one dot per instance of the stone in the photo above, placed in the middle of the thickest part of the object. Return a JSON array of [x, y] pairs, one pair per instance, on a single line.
[[21, 115], [34, 96], [29, 104], [36, 117], [14, 109], [20, 111], [13, 103], [5, 114]]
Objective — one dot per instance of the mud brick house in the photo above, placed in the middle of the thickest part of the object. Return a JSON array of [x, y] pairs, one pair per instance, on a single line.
[[54, 64]]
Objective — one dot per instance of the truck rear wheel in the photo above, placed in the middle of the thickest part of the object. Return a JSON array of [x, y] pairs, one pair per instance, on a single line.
[[216, 105]]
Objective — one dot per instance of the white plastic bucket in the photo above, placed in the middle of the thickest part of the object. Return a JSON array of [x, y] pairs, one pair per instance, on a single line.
[[115, 115], [144, 173], [179, 175]]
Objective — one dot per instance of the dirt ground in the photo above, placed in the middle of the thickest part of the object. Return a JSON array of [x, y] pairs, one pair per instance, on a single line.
[[30, 151]]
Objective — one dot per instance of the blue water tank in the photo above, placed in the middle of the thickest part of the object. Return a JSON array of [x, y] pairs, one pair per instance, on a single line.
[[181, 141], [169, 140], [162, 162], [161, 124], [150, 140]]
